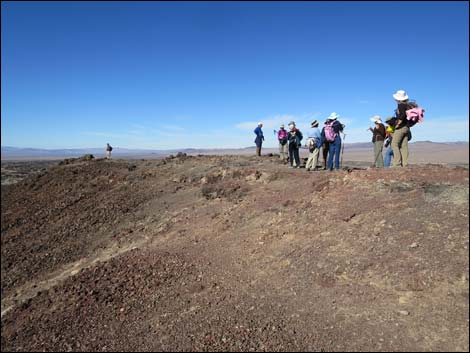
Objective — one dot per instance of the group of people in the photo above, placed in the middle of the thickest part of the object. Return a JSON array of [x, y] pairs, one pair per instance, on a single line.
[[394, 137], [290, 141]]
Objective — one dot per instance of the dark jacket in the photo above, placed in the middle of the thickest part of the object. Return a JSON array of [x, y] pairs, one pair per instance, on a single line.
[[295, 137], [400, 114], [378, 134]]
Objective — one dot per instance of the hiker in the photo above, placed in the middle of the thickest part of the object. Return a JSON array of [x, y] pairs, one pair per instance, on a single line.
[[388, 140], [294, 140], [313, 145], [407, 114], [259, 138], [108, 151], [331, 133], [282, 135], [325, 150], [378, 138]]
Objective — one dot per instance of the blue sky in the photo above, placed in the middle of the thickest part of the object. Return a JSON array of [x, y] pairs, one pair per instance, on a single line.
[[202, 74]]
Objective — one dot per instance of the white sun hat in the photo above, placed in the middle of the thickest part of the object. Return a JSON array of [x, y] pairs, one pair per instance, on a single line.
[[260, 123], [400, 96], [376, 119], [333, 116]]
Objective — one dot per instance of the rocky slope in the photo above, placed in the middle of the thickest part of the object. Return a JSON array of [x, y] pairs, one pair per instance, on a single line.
[[234, 253]]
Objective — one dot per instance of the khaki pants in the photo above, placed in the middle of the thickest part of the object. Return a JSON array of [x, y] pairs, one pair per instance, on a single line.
[[400, 147], [283, 149], [312, 159], [108, 154], [378, 157]]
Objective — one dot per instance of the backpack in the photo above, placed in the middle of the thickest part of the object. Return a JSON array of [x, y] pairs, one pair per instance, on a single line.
[[412, 105], [330, 132], [312, 144], [295, 138], [282, 136]]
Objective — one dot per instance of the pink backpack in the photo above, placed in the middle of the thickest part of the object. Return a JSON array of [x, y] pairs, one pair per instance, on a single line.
[[330, 134], [282, 136]]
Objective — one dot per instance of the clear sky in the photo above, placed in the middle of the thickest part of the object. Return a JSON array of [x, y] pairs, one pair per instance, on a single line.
[[201, 74]]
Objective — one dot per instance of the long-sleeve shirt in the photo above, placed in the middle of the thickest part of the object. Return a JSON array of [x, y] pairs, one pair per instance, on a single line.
[[259, 136], [259, 132], [315, 134]]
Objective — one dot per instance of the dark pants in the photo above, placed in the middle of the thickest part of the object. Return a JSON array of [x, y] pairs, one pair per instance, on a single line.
[[326, 149], [294, 153], [335, 151], [258, 142]]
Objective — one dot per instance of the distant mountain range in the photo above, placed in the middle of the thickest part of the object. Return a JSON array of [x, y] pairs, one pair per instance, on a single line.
[[9, 152]]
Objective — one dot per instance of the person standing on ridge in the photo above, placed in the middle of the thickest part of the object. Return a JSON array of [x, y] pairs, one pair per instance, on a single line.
[[378, 138], [313, 144], [331, 133], [388, 141], [294, 141], [108, 151], [402, 133], [259, 138], [282, 135]]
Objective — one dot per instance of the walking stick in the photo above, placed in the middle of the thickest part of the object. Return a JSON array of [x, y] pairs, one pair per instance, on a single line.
[[342, 149]]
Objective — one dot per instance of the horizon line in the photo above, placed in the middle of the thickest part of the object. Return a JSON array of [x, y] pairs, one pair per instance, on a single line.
[[198, 148]]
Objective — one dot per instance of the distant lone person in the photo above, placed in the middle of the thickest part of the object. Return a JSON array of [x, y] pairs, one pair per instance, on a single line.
[[108, 151], [259, 138]]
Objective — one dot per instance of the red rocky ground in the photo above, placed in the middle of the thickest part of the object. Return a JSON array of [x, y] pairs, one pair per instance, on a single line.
[[234, 253]]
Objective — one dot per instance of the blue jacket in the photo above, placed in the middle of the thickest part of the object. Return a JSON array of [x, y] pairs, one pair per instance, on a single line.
[[259, 136], [259, 132]]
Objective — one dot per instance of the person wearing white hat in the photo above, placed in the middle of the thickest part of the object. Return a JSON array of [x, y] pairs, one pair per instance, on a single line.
[[402, 132], [378, 138], [331, 134], [282, 135], [259, 138]]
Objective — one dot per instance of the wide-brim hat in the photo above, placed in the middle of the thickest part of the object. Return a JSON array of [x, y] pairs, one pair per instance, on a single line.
[[376, 119], [389, 119], [333, 116], [400, 95], [314, 123]]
